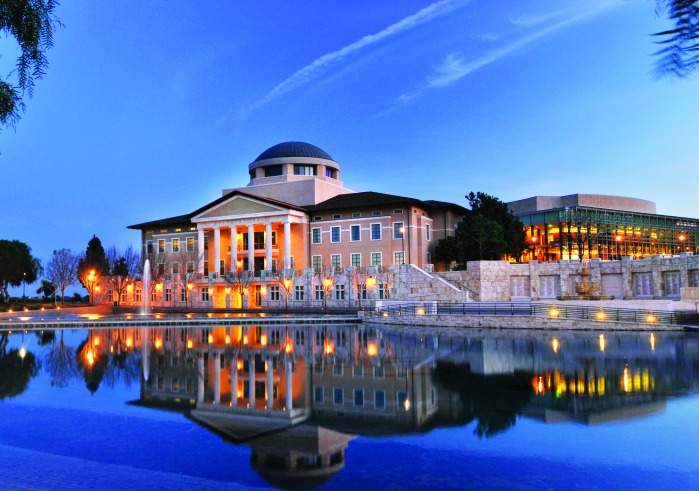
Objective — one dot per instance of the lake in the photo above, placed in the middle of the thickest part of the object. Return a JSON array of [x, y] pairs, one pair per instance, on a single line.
[[347, 406]]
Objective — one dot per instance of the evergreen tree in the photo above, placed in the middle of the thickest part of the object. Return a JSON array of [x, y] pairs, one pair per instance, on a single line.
[[94, 259]]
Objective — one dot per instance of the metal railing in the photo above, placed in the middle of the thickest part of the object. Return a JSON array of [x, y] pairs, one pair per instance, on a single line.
[[550, 311]]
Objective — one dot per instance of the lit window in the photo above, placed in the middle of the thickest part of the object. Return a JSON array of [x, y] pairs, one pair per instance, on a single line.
[[161, 245], [175, 268], [175, 245], [190, 244], [190, 267]]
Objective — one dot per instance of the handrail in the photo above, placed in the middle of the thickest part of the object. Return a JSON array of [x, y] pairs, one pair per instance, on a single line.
[[544, 310]]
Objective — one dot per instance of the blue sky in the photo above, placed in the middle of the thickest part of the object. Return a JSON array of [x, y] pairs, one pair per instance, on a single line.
[[149, 109]]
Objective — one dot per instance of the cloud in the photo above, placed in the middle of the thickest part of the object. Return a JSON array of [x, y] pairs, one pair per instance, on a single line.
[[322, 64], [454, 68], [535, 20]]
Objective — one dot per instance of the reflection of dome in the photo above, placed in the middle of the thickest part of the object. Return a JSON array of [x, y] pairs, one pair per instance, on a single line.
[[293, 149]]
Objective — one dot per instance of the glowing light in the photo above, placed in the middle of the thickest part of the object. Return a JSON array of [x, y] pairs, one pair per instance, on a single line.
[[209, 315], [22, 352], [406, 404], [96, 341], [129, 288], [554, 312], [618, 238], [652, 342], [211, 338], [228, 290], [602, 342], [190, 286], [555, 345], [372, 349], [158, 287], [287, 283], [239, 365], [601, 315], [385, 314], [245, 340], [263, 290], [682, 237], [26, 309], [228, 339], [626, 379], [98, 288], [288, 347], [158, 343], [190, 344], [129, 342], [263, 340], [420, 311], [328, 282], [42, 309], [538, 385], [650, 318], [370, 281], [329, 348]]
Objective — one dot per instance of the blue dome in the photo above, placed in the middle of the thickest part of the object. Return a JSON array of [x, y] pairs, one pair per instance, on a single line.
[[293, 149]]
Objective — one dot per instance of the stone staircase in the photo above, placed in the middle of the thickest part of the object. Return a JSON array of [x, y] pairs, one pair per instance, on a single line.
[[415, 284]]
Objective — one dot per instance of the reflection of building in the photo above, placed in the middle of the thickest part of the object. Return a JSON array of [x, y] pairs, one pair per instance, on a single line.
[[596, 226], [295, 214]]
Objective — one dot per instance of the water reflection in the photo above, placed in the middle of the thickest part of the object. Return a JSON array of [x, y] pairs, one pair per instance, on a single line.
[[297, 395]]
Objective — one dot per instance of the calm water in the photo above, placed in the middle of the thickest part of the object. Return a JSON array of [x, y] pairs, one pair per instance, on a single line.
[[351, 407]]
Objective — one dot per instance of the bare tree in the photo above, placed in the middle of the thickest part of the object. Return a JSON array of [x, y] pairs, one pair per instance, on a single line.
[[384, 277], [285, 278], [326, 278], [159, 267], [239, 280], [188, 262], [124, 268], [62, 270], [60, 363]]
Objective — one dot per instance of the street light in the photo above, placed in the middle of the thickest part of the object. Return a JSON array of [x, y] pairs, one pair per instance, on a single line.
[[24, 286], [91, 278]]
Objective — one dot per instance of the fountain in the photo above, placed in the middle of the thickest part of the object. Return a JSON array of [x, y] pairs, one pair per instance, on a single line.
[[586, 289], [145, 283]]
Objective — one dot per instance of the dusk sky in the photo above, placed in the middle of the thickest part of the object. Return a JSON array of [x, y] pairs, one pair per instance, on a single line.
[[150, 109]]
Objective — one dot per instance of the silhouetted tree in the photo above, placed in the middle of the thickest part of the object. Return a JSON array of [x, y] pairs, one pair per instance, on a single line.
[[62, 269], [17, 265], [679, 55], [15, 370], [94, 259]]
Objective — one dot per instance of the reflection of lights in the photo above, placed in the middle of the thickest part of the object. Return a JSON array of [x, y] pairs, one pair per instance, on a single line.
[[555, 344], [210, 338], [650, 318], [158, 343], [239, 365], [263, 340], [190, 344], [90, 357], [372, 349], [245, 340], [601, 315], [554, 312], [602, 342], [129, 342], [626, 379], [329, 348], [406, 403], [228, 339], [22, 352], [288, 347], [652, 341], [96, 341], [538, 385], [420, 311]]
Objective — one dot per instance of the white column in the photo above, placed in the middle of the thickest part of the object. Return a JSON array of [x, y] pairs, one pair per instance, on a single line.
[[251, 382], [251, 247], [200, 249], [287, 245], [234, 382], [270, 385], [289, 393], [217, 250], [268, 246], [217, 378], [200, 380], [234, 248]]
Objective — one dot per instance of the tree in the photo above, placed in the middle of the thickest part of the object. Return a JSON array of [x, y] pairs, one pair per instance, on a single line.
[[17, 265], [188, 262], [31, 23], [62, 270], [285, 278], [159, 268], [488, 231], [93, 260], [47, 289], [679, 55], [239, 280], [17, 368], [124, 267]]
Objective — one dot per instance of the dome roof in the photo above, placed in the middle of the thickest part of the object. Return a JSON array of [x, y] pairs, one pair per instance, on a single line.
[[293, 149]]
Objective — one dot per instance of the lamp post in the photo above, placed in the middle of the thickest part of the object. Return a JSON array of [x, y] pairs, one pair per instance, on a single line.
[[91, 277], [24, 285], [402, 243]]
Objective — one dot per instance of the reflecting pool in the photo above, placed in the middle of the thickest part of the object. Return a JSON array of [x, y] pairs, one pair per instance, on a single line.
[[347, 406]]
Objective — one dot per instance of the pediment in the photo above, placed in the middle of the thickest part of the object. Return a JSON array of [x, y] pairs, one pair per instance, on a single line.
[[239, 206]]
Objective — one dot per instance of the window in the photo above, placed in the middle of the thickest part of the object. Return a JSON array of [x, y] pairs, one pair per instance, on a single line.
[[168, 294], [376, 213], [137, 295], [175, 268], [375, 231], [273, 170], [190, 266], [124, 297], [429, 258], [298, 292], [382, 292], [356, 214], [161, 383], [222, 268], [335, 260], [259, 239], [339, 292], [315, 235], [338, 396], [358, 371], [304, 170], [183, 296], [355, 233], [378, 371], [317, 262], [379, 399], [376, 259], [400, 399], [206, 241], [152, 296], [161, 268], [356, 260], [317, 219], [149, 247], [397, 232], [397, 212], [161, 246], [398, 257], [175, 245], [332, 173], [427, 232], [318, 394], [358, 397], [319, 292], [337, 217], [335, 234], [190, 244], [274, 293], [337, 368], [205, 294], [361, 292]]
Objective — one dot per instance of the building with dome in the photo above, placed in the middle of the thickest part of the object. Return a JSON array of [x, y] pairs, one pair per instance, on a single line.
[[294, 215]]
